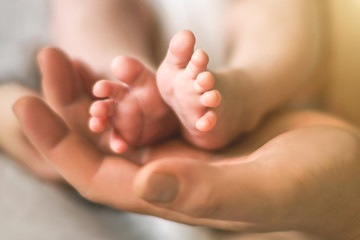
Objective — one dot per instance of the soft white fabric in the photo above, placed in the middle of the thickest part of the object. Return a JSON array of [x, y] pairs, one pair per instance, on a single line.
[[203, 17], [23, 29]]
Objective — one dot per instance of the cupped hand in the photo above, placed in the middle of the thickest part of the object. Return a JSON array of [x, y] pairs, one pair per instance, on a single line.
[[67, 88], [301, 179], [299, 170]]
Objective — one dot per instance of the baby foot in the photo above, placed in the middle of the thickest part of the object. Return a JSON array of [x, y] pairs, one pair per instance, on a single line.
[[132, 107], [211, 117], [186, 85]]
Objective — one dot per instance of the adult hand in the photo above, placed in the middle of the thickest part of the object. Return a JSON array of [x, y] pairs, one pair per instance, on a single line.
[[298, 171], [67, 88], [55, 67], [12, 140]]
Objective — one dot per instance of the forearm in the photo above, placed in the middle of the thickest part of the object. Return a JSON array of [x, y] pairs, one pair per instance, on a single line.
[[278, 46]]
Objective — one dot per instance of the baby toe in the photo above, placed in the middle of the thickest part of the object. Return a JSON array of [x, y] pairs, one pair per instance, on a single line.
[[205, 81], [102, 108], [197, 64], [109, 89], [126, 69], [211, 98], [97, 124], [180, 49], [206, 122], [117, 143]]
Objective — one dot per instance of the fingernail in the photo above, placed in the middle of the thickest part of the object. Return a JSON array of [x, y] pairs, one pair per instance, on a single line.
[[160, 188]]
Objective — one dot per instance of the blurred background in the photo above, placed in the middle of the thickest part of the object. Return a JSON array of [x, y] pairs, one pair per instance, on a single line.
[[24, 28]]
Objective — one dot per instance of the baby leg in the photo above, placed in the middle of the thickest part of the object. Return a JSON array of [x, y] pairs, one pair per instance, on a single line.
[[97, 31], [278, 47], [275, 51]]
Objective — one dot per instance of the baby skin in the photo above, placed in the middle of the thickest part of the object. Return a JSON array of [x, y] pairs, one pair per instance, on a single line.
[[132, 106], [275, 48], [144, 107]]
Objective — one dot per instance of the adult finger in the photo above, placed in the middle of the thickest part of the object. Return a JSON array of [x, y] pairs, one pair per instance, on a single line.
[[63, 88], [60, 82], [67, 88], [76, 159], [99, 178], [87, 77]]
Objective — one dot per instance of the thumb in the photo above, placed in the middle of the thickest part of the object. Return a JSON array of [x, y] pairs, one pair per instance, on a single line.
[[238, 192]]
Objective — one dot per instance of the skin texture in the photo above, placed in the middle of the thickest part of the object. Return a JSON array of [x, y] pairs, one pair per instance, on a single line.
[[288, 173], [318, 193]]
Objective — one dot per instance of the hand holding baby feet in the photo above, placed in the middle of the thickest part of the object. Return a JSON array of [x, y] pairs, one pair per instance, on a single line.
[[132, 107]]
